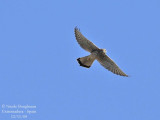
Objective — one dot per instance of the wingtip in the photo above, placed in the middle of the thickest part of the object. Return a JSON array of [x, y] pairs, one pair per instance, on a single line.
[[76, 28], [128, 76], [125, 75]]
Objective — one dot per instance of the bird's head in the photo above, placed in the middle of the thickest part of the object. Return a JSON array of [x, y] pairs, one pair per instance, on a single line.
[[104, 50]]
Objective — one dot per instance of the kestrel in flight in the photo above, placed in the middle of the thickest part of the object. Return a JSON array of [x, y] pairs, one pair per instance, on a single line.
[[96, 54]]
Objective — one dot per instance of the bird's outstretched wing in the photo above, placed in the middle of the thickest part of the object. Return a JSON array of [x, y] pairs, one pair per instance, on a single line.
[[109, 64], [84, 43]]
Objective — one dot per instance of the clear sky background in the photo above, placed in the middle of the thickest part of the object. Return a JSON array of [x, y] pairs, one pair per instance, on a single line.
[[38, 53]]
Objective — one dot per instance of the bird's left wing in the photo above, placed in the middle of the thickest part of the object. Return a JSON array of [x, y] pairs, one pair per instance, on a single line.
[[84, 42]]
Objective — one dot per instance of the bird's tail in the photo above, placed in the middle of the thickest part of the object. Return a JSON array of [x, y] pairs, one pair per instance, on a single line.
[[86, 61]]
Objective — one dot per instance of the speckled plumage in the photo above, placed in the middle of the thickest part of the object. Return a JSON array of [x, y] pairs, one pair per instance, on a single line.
[[96, 54]]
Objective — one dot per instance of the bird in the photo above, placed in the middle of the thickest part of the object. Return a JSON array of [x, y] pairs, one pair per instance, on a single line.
[[95, 54]]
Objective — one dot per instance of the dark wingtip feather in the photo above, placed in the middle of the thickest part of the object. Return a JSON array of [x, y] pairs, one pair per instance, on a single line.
[[82, 64], [127, 76], [124, 75], [76, 28]]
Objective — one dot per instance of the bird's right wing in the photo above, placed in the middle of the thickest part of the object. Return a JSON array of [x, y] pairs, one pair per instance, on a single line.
[[83, 42], [109, 64]]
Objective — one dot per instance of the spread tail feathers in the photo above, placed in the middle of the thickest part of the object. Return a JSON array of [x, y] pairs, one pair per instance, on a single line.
[[86, 61]]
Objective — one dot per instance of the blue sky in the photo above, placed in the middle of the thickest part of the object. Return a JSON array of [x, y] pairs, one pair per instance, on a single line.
[[38, 53]]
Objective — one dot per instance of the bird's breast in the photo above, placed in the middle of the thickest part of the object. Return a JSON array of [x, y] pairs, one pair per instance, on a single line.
[[94, 53]]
